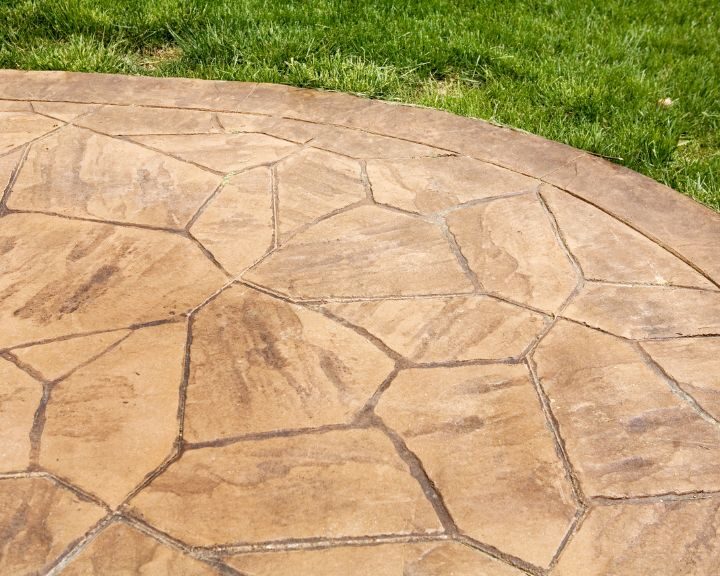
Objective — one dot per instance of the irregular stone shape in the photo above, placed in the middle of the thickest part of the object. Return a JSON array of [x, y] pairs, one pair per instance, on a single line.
[[137, 120], [417, 559], [116, 89], [428, 185], [625, 431], [445, 329], [121, 551], [18, 128], [57, 358], [482, 437], [76, 172], [609, 250], [237, 224], [63, 276], [329, 485], [358, 144], [19, 399], [294, 130], [366, 251], [688, 227], [668, 538], [647, 311], [8, 164], [222, 152], [507, 147], [15, 106], [311, 105], [65, 111], [260, 364], [312, 184], [40, 520], [113, 421], [511, 247], [695, 364]]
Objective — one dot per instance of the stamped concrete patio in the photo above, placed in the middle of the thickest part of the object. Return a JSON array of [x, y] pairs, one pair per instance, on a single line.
[[258, 330]]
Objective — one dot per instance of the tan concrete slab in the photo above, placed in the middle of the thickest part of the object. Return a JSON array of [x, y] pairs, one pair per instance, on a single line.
[[20, 397], [41, 520], [625, 430], [310, 333], [481, 434], [262, 365], [335, 484], [76, 172], [418, 559]]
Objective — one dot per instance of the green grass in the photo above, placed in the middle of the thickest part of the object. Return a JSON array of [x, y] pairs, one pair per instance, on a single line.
[[582, 72]]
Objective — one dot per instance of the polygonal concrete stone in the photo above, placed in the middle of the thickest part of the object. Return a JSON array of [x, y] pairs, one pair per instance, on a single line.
[[416, 559], [40, 521], [312, 184], [260, 364], [113, 421], [433, 184], [19, 399], [482, 437], [237, 224], [75, 172], [329, 485], [625, 430], [510, 246], [364, 252], [66, 276], [222, 152], [121, 550], [445, 329]]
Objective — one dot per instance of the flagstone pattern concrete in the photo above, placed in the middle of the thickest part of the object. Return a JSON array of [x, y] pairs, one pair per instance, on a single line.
[[255, 330]]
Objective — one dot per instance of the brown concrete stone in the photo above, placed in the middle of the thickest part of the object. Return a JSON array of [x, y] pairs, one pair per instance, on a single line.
[[669, 538], [335, 484], [237, 224], [661, 213], [293, 130], [66, 277], [65, 111], [695, 364], [482, 437], [312, 184], [609, 250], [19, 399], [57, 358], [222, 152], [8, 164], [510, 246], [137, 120], [625, 431], [120, 550], [260, 364], [358, 144], [40, 521], [364, 252], [445, 329], [75, 172], [428, 185], [647, 311], [113, 421], [15, 106], [18, 128], [420, 559]]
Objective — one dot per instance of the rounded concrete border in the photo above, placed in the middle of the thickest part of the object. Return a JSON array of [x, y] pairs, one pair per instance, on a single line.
[[679, 224]]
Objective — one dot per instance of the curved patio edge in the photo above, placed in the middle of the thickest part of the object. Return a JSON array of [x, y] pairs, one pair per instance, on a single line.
[[679, 224]]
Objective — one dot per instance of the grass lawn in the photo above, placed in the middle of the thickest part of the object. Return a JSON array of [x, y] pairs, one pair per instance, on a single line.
[[582, 72]]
